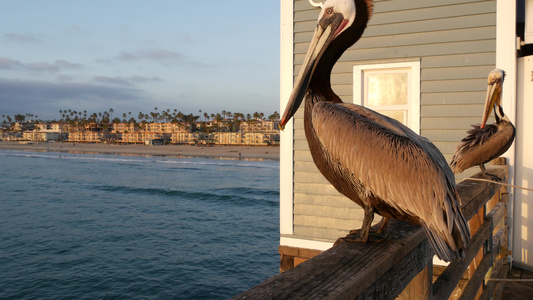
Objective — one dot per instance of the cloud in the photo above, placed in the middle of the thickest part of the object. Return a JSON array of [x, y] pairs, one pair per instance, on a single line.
[[20, 38], [164, 57], [125, 81], [65, 78], [112, 80], [8, 64], [157, 55], [46, 98], [141, 79]]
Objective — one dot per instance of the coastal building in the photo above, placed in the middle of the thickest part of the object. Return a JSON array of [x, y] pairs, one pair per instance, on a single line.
[[183, 137], [52, 127], [154, 142], [246, 138], [130, 137], [256, 132], [229, 138], [23, 126], [80, 136], [441, 52], [39, 136], [164, 127], [45, 132], [260, 125], [124, 127]]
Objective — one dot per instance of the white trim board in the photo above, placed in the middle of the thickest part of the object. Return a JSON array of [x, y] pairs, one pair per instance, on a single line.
[[286, 136], [306, 244]]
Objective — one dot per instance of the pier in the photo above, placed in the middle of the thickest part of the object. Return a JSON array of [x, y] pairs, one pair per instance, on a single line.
[[402, 265]]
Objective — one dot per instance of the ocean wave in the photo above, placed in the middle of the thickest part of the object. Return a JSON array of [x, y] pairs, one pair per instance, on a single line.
[[260, 197], [60, 155], [144, 160], [223, 163]]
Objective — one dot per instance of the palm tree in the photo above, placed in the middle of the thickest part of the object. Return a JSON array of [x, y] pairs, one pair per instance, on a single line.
[[20, 118], [274, 116]]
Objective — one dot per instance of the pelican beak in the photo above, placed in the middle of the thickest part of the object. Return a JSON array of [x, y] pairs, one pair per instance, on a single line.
[[494, 92], [327, 29]]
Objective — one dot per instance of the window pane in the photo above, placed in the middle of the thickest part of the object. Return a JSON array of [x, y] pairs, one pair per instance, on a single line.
[[387, 89], [399, 115]]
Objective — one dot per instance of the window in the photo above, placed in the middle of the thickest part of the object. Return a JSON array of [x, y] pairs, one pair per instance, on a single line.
[[392, 89]]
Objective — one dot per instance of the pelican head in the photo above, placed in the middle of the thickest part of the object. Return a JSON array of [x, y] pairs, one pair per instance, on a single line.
[[494, 94], [335, 19]]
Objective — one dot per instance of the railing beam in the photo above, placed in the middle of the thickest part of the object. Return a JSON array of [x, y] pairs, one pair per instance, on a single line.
[[381, 270]]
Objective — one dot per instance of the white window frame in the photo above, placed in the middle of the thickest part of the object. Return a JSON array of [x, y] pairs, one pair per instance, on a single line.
[[413, 93]]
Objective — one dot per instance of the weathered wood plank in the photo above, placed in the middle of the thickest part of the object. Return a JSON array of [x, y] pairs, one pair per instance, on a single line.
[[492, 287], [472, 288], [405, 251], [382, 270], [444, 285], [475, 203], [420, 286]]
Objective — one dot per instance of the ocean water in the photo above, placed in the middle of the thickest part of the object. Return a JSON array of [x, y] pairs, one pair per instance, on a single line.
[[81, 226]]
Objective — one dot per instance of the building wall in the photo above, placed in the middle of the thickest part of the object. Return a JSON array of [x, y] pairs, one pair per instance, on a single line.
[[455, 42]]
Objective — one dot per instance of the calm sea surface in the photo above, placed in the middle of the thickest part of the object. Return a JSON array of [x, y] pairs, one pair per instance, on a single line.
[[103, 226]]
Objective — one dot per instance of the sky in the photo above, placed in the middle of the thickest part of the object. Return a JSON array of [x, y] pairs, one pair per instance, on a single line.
[[133, 56]]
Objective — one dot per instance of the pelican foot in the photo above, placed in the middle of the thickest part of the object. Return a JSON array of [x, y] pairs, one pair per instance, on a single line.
[[355, 237], [494, 177]]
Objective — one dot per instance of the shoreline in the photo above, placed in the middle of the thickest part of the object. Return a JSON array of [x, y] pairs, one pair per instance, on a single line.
[[222, 152]]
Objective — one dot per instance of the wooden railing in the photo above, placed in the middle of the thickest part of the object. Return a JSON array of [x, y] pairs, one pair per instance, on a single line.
[[401, 266]]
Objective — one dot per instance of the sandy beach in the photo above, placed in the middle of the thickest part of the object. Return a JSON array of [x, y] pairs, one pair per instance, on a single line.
[[236, 152]]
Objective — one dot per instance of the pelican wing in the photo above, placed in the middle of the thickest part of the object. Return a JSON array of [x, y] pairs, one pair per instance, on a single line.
[[482, 145], [395, 165]]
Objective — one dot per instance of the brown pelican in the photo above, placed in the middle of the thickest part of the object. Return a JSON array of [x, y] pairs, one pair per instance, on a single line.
[[484, 143], [374, 160]]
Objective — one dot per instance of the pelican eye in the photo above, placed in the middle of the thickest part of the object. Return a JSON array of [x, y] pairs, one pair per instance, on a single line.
[[329, 11]]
